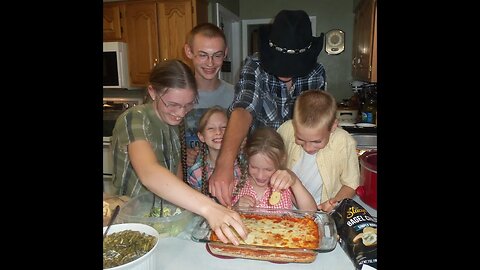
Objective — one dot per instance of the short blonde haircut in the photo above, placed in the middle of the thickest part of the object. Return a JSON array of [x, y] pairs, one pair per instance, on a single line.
[[315, 109], [209, 30]]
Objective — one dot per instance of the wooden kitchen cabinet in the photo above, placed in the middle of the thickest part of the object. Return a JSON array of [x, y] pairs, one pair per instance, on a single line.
[[176, 19], [364, 55], [157, 31], [143, 48], [114, 22]]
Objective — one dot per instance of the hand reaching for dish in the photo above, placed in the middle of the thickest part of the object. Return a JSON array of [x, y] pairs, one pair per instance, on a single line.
[[221, 220], [246, 201]]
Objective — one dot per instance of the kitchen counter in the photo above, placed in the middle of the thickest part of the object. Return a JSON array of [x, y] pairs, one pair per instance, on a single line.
[[176, 253], [369, 209], [181, 252], [361, 130]]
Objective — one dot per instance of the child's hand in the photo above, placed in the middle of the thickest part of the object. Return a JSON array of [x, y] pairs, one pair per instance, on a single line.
[[327, 206], [282, 179], [246, 201]]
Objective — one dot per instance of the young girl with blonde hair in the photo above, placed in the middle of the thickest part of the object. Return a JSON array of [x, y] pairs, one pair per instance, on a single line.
[[211, 128], [268, 177]]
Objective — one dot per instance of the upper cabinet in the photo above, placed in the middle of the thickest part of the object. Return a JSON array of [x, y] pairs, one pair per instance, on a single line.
[[156, 31], [113, 22], [175, 20], [364, 62], [143, 41]]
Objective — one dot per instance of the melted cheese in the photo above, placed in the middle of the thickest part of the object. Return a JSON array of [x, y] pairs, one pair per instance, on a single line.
[[275, 231]]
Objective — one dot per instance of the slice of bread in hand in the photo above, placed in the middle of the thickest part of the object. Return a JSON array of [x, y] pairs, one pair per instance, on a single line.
[[106, 210]]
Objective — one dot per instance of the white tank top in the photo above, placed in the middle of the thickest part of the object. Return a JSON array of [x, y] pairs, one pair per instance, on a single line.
[[307, 171]]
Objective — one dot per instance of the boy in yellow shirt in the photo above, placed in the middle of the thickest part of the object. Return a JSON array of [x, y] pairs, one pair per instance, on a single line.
[[323, 156]]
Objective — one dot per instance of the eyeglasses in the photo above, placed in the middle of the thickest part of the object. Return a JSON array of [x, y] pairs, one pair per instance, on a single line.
[[175, 107], [216, 57]]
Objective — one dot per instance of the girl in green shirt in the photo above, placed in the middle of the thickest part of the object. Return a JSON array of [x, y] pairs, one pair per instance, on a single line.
[[147, 149]]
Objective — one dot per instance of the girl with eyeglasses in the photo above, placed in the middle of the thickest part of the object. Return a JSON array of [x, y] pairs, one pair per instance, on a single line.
[[148, 142]]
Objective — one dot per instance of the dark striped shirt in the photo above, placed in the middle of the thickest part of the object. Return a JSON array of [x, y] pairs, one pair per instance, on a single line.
[[266, 97]]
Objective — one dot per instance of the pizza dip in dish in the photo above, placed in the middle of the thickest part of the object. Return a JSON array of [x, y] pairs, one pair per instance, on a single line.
[[278, 236], [275, 231]]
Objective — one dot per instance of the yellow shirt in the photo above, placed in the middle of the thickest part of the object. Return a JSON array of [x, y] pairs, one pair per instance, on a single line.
[[337, 162]]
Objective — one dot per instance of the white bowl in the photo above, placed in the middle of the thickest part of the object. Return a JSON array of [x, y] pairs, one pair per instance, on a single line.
[[147, 261], [357, 84], [346, 124], [365, 125]]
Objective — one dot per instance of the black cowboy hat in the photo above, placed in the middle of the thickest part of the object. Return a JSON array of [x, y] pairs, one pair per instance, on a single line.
[[287, 47]]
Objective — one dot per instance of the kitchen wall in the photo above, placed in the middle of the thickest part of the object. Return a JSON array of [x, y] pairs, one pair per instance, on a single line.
[[232, 5], [331, 14]]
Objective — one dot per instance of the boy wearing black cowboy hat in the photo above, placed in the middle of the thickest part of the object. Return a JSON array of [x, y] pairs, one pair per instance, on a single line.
[[267, 88]]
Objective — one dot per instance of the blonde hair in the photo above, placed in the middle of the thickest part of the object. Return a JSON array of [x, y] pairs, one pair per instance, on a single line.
[[315, 109], [266, 141], [202, 123]]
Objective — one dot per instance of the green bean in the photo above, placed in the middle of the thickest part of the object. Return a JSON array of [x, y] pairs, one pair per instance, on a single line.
[[122, 247]]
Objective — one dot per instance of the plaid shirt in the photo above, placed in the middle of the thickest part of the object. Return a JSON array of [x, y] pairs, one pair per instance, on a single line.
[[266, 97], [262, 199], [142, 123], [195, 173]]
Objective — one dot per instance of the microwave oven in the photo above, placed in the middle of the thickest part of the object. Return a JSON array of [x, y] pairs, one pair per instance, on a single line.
[[115, 65]]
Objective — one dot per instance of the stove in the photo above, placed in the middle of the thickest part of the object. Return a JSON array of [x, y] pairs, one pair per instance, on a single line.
[[112, 108]]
